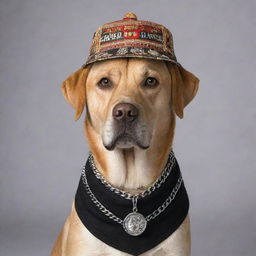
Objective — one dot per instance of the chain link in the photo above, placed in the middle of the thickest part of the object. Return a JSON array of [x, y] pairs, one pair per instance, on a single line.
[[134, 204], [145, 193]]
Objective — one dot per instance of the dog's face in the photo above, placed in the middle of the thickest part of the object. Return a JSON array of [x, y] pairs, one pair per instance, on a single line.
[[129, 102]]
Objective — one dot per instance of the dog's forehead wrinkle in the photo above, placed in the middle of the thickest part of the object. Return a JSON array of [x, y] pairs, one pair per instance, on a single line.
[[140, 73], [114, 72], [108, 71]]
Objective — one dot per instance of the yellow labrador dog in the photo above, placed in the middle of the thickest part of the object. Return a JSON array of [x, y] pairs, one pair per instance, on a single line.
[[150, 92]]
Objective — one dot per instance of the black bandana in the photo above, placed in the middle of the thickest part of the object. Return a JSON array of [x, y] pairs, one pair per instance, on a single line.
[[111, 232]]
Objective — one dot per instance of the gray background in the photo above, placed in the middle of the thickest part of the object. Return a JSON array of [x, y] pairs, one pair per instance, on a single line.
[[43, 149]]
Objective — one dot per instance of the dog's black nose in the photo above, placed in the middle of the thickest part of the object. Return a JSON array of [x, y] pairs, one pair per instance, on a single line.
[[125, 112]]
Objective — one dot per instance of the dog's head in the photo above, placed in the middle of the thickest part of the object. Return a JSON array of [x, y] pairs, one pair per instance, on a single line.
[[130, 101]]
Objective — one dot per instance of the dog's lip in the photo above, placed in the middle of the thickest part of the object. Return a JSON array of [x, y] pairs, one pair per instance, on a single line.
[[112, 145]]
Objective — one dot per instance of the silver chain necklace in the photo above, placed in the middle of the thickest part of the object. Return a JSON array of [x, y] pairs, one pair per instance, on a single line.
[[147, 192], [134, 223]]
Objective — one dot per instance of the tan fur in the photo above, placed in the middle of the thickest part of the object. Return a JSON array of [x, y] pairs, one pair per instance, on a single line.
[[132, 169]]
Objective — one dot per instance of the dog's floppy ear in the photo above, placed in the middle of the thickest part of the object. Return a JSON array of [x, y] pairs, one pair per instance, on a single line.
[[184, 87], [73, 89]]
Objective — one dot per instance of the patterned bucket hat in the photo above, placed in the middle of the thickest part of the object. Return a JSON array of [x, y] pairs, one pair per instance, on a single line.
[[131, 37]]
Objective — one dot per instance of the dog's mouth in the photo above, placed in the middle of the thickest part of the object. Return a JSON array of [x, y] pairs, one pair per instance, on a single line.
[[125, 140], [126, 129]]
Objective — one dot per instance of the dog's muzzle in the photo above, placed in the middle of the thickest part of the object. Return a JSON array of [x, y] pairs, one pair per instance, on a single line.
[[124, 130]]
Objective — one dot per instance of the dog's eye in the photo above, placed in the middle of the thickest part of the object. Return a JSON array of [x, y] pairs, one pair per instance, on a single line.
[[151, 82], [104, 83]]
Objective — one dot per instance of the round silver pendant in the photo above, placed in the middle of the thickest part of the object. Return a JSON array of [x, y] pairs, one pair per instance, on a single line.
[[134, 224]]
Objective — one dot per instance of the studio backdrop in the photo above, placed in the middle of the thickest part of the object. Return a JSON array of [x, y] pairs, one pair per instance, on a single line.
[[42, 148]]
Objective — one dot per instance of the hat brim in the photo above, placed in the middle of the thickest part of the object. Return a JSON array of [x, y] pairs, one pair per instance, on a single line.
[[130, 52]]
